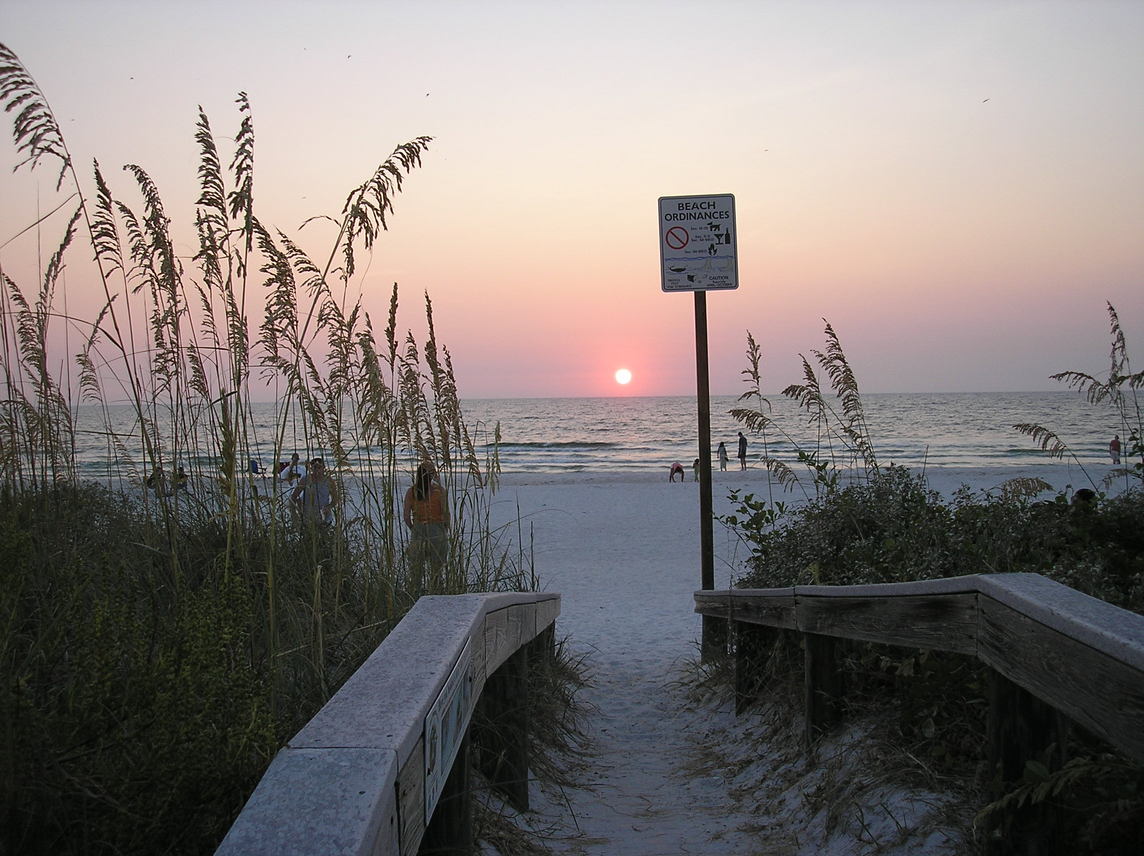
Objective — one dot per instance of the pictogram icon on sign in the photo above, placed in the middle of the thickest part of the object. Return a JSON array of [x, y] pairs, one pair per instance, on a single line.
[[676, 237]]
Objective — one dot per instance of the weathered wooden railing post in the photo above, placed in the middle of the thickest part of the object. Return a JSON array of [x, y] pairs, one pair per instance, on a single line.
[[752, 647], [1022, 728], [502, 737], [823, 677]]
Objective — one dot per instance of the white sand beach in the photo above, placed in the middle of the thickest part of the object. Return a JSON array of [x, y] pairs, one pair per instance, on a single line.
[[623, 551]]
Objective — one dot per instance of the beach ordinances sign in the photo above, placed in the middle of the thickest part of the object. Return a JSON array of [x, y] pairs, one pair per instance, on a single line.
[[697, 243], [445, 725]]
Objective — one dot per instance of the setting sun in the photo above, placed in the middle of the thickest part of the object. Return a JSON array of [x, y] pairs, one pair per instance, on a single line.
[[623, 376]]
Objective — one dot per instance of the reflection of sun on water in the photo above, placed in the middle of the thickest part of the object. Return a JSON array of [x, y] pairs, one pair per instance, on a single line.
[[623, 376]]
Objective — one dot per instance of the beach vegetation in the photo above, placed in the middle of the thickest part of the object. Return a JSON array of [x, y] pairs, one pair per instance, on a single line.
[[839, 436], [1120, 391], [169, 620], [864, 521]]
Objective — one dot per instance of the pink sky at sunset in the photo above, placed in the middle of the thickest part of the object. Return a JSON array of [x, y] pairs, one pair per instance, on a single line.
[[956, 186]]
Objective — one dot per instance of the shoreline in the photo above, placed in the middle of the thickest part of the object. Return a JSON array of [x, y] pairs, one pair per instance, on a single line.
[[944, 480]]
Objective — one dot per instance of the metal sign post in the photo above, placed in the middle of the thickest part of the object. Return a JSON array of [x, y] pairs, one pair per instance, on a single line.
[[698, 252], [703, 400]]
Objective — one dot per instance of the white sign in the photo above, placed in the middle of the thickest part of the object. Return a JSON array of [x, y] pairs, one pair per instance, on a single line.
[[445, 725], [698, 243]]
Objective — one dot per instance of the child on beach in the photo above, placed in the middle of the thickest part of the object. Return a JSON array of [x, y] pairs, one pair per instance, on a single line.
[[722, 456]]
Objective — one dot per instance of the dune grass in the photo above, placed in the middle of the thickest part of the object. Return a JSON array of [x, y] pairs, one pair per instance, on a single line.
[[160, 643]]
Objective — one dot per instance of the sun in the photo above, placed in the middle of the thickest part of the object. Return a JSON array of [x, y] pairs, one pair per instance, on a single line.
[[623, 377]]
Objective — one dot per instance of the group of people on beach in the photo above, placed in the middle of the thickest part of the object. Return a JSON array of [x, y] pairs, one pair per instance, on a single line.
[[677, 468], [157, 481], [425, 509]]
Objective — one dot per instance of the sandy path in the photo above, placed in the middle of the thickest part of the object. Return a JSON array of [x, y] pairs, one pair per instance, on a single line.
[[625, 559]]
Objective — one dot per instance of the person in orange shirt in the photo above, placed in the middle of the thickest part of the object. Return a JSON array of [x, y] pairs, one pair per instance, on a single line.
[[426, 513]]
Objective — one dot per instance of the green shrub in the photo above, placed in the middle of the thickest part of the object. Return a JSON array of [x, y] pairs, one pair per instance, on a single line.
[[136, 720]]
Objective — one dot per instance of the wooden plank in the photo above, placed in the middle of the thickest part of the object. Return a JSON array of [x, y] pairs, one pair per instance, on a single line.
[[501, 742], [496, 640], [773, 610], [1022, 728], [1102, 694], [753, 644], [479, 666], [547, 611], [823, 684], [713, 643], [912, 588], [542, 649], [521, 625], [946, 622], [504, 634], [1097, 623], [411, 801], [317, 802]]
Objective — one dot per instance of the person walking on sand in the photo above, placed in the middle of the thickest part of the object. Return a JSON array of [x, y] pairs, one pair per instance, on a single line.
[[426, 513], [742, 451], [722, 456], [676, 470], [314, 495], [1114, 449]]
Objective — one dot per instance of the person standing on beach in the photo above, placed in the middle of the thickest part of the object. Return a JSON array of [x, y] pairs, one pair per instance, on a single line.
[[1114, 448], [314, 496], [722, 456], [292, 471], [426, 513], [742, 451]]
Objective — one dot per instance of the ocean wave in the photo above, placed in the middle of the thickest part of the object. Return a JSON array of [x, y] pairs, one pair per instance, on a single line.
[[548, 444]]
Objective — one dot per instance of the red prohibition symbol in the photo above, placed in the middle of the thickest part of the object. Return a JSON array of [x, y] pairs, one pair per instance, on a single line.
[[677, 238]]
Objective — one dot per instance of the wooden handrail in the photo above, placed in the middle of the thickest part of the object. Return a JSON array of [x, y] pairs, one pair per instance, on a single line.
[[363, 775], [1078, 654]]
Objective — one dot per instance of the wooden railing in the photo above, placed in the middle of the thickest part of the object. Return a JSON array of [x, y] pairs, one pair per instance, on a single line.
[[1057, 657], [1080, 655], [385, 763]]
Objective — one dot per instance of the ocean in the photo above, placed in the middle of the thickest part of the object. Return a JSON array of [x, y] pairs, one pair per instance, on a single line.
[[615, 435], [568, 435]]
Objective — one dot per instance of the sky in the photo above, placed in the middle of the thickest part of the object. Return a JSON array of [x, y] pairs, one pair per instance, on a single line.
[[957, 187]]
